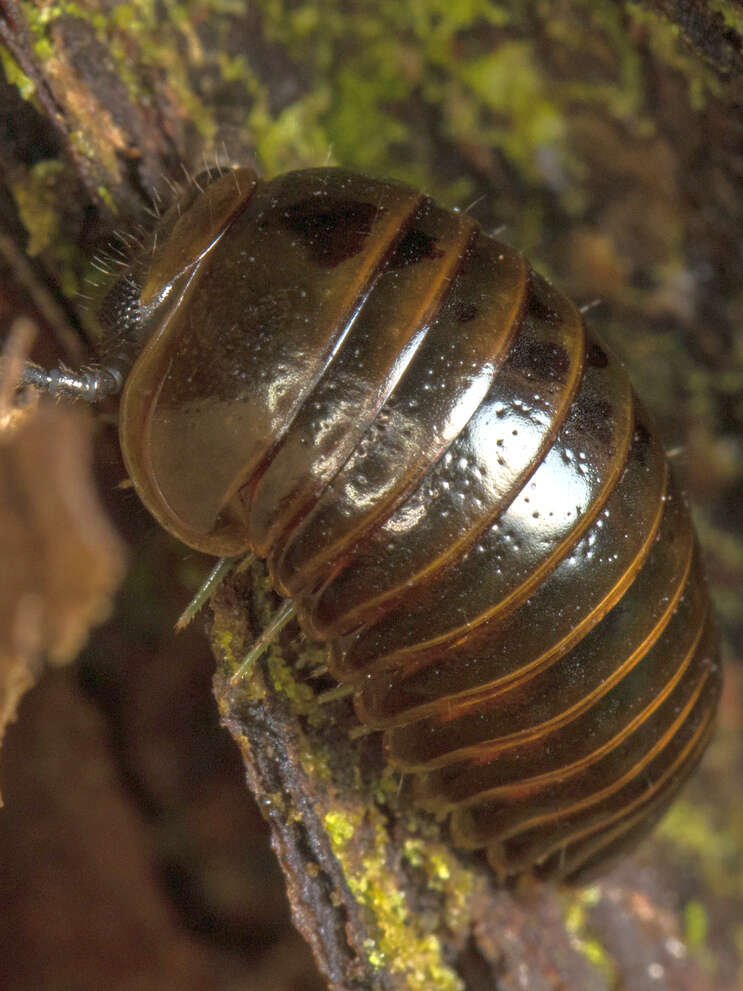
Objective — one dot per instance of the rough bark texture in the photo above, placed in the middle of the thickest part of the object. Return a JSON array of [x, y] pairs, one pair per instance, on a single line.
[[608, 138]]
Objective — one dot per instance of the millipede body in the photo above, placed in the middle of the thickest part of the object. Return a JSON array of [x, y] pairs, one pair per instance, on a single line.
[[451, 477]]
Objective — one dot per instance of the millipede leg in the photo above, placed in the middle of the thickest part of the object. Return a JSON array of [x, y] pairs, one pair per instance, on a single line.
[[360, 731], [212, 581], [277, 624], [333, 694]]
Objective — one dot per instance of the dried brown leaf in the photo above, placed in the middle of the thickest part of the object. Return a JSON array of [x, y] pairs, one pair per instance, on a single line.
[[60, 559]]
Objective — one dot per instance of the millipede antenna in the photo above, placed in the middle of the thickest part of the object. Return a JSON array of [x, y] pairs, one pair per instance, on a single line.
[[91, 384]]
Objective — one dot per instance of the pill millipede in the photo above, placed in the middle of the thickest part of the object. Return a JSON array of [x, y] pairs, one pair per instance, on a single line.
[[452, 483]]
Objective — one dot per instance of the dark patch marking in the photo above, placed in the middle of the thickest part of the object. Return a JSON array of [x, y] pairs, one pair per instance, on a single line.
[[641, 443], [543, 360], [466, 313], [331, 231], [537, 307], [414, 247], [595, 420], [596, 357]]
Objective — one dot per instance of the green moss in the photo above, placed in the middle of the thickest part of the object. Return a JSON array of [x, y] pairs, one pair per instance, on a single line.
[[37, 205], [695, 925], [667, 43], [359, 124], [105, 195], [39, 18], [508, 81], [727, 547], [730, 12], [716, 851], [688, 826], [15, 75], [363, 67], [161, 47], [292, 139], [36, 195], [500, 96], [131, 17], [696, 932], [366, 62]]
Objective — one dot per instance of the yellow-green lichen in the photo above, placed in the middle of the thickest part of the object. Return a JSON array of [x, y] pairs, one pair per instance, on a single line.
[[581, 937], [436, 864], [340, 829], [284, 680], [388, 788], [137, 26], [445, 874], [224, 642], [88, 144], [315, 763], [402, 945]]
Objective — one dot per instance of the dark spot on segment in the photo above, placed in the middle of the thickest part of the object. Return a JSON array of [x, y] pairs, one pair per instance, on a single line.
[[642, 434], [466, 312], [414, 247], [536, 304], [332, 230], [602, 418], [543, 360], [641, 442], [596, 357], [595, 420]]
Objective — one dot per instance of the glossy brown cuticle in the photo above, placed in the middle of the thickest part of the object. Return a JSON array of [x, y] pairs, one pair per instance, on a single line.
[[455, 483]]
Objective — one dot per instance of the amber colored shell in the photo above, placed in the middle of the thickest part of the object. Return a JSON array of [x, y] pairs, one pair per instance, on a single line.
[[452, 478]]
